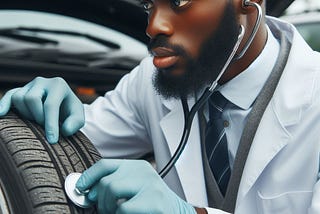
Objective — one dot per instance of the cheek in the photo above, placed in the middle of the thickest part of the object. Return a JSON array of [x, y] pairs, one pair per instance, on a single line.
[[195, 25]]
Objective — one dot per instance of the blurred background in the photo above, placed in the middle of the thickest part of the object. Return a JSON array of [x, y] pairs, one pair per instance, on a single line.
[[305, 15], [93, 43], [300, 6]]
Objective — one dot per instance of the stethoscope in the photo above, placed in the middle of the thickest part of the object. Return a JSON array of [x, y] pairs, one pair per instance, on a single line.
[[79, 198], [189, 115]]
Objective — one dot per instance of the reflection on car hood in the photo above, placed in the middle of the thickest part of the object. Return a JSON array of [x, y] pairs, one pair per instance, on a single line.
[[62, 47], [125, 16], [64, 55]]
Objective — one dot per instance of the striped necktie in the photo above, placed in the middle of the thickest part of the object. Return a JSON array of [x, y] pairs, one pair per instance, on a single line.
[[216, 141]]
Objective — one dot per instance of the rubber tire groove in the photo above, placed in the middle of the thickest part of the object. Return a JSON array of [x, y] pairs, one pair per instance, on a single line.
[[43, 187]]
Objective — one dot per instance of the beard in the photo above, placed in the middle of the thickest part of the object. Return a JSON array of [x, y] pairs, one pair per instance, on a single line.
[[203, 70]]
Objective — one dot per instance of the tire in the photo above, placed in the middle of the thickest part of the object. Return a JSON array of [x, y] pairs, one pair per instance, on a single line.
[[32, 172]]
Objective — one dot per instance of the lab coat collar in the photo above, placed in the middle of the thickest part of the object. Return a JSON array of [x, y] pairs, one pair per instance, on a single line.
[[190, 162]]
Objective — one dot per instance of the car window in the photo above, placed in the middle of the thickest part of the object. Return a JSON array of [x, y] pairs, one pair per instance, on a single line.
[[311, 33], [305, 16]]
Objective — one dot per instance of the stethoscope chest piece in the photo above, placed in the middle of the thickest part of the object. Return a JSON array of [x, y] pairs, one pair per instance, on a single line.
[[78, 198]]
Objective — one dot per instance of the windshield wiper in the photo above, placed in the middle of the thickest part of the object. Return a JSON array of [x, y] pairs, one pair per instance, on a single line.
[[97, 60], [17, 33]]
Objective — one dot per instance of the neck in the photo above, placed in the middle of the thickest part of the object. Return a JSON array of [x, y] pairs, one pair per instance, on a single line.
[[252, 53]]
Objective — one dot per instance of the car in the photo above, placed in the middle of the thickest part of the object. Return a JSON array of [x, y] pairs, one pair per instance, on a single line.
[[91, 44], [47, 42], [308, 24]]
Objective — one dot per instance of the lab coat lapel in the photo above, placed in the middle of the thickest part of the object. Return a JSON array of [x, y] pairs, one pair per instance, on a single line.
[[271, 137], [190, 162], [172, 124], [283, 111]]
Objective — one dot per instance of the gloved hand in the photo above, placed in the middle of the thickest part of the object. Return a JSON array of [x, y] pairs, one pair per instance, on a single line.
[[134, 180], [46, 101]]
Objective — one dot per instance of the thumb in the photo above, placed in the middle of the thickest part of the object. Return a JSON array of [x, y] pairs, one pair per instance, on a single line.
[[75, 118], [5, 102], [72, 124]]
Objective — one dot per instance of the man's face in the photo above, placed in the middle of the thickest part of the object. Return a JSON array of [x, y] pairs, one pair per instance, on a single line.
[[190, 42]]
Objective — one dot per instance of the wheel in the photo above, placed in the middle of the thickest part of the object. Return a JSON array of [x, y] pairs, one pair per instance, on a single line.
[[32, 172]]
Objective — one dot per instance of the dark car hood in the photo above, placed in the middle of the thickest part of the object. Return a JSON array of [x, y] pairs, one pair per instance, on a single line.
[[123, 15]]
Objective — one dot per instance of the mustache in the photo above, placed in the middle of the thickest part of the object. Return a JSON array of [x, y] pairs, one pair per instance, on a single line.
[[163, 41]]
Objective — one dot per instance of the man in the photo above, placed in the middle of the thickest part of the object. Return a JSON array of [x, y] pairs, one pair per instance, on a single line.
[[191, 41]]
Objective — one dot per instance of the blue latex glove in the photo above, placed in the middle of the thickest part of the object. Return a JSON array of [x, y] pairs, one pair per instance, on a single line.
[[134, 180], [47, 101]]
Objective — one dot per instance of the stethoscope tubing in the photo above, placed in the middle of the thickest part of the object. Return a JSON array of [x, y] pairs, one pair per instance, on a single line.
[[186, 131], [189, 115]]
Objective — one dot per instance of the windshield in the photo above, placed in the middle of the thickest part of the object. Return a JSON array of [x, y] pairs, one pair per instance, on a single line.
[[44, 36]]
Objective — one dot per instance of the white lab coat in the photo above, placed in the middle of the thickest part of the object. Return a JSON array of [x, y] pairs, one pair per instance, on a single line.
[[282, 170]]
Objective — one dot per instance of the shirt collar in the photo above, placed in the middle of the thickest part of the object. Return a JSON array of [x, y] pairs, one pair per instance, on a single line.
[[244, 88]]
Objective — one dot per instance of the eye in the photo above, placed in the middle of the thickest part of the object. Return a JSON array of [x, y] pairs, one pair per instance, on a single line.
[[180, 3], [146, 5]]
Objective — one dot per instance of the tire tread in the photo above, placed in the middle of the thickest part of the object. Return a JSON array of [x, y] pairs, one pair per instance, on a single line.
[[44, 167]]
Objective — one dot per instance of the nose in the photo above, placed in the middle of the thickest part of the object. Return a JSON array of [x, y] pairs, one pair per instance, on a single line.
[[159, 22]]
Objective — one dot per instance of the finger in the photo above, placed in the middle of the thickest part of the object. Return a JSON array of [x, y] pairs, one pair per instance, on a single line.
[[114, 189], [72, 124], [93, 193], [5, 102], [18, 101], [51, 109], [100, 169], [102, 206], [137, 204], [75, 117], [33, 100]]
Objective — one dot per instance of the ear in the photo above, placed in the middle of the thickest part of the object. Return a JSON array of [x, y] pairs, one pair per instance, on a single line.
[[247, 5]]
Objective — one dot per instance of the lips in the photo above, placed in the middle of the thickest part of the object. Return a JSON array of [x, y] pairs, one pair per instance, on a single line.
[[164, 57]]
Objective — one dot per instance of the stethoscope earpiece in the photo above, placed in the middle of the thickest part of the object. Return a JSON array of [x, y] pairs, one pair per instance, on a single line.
[[245, 3], [248, 3]]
